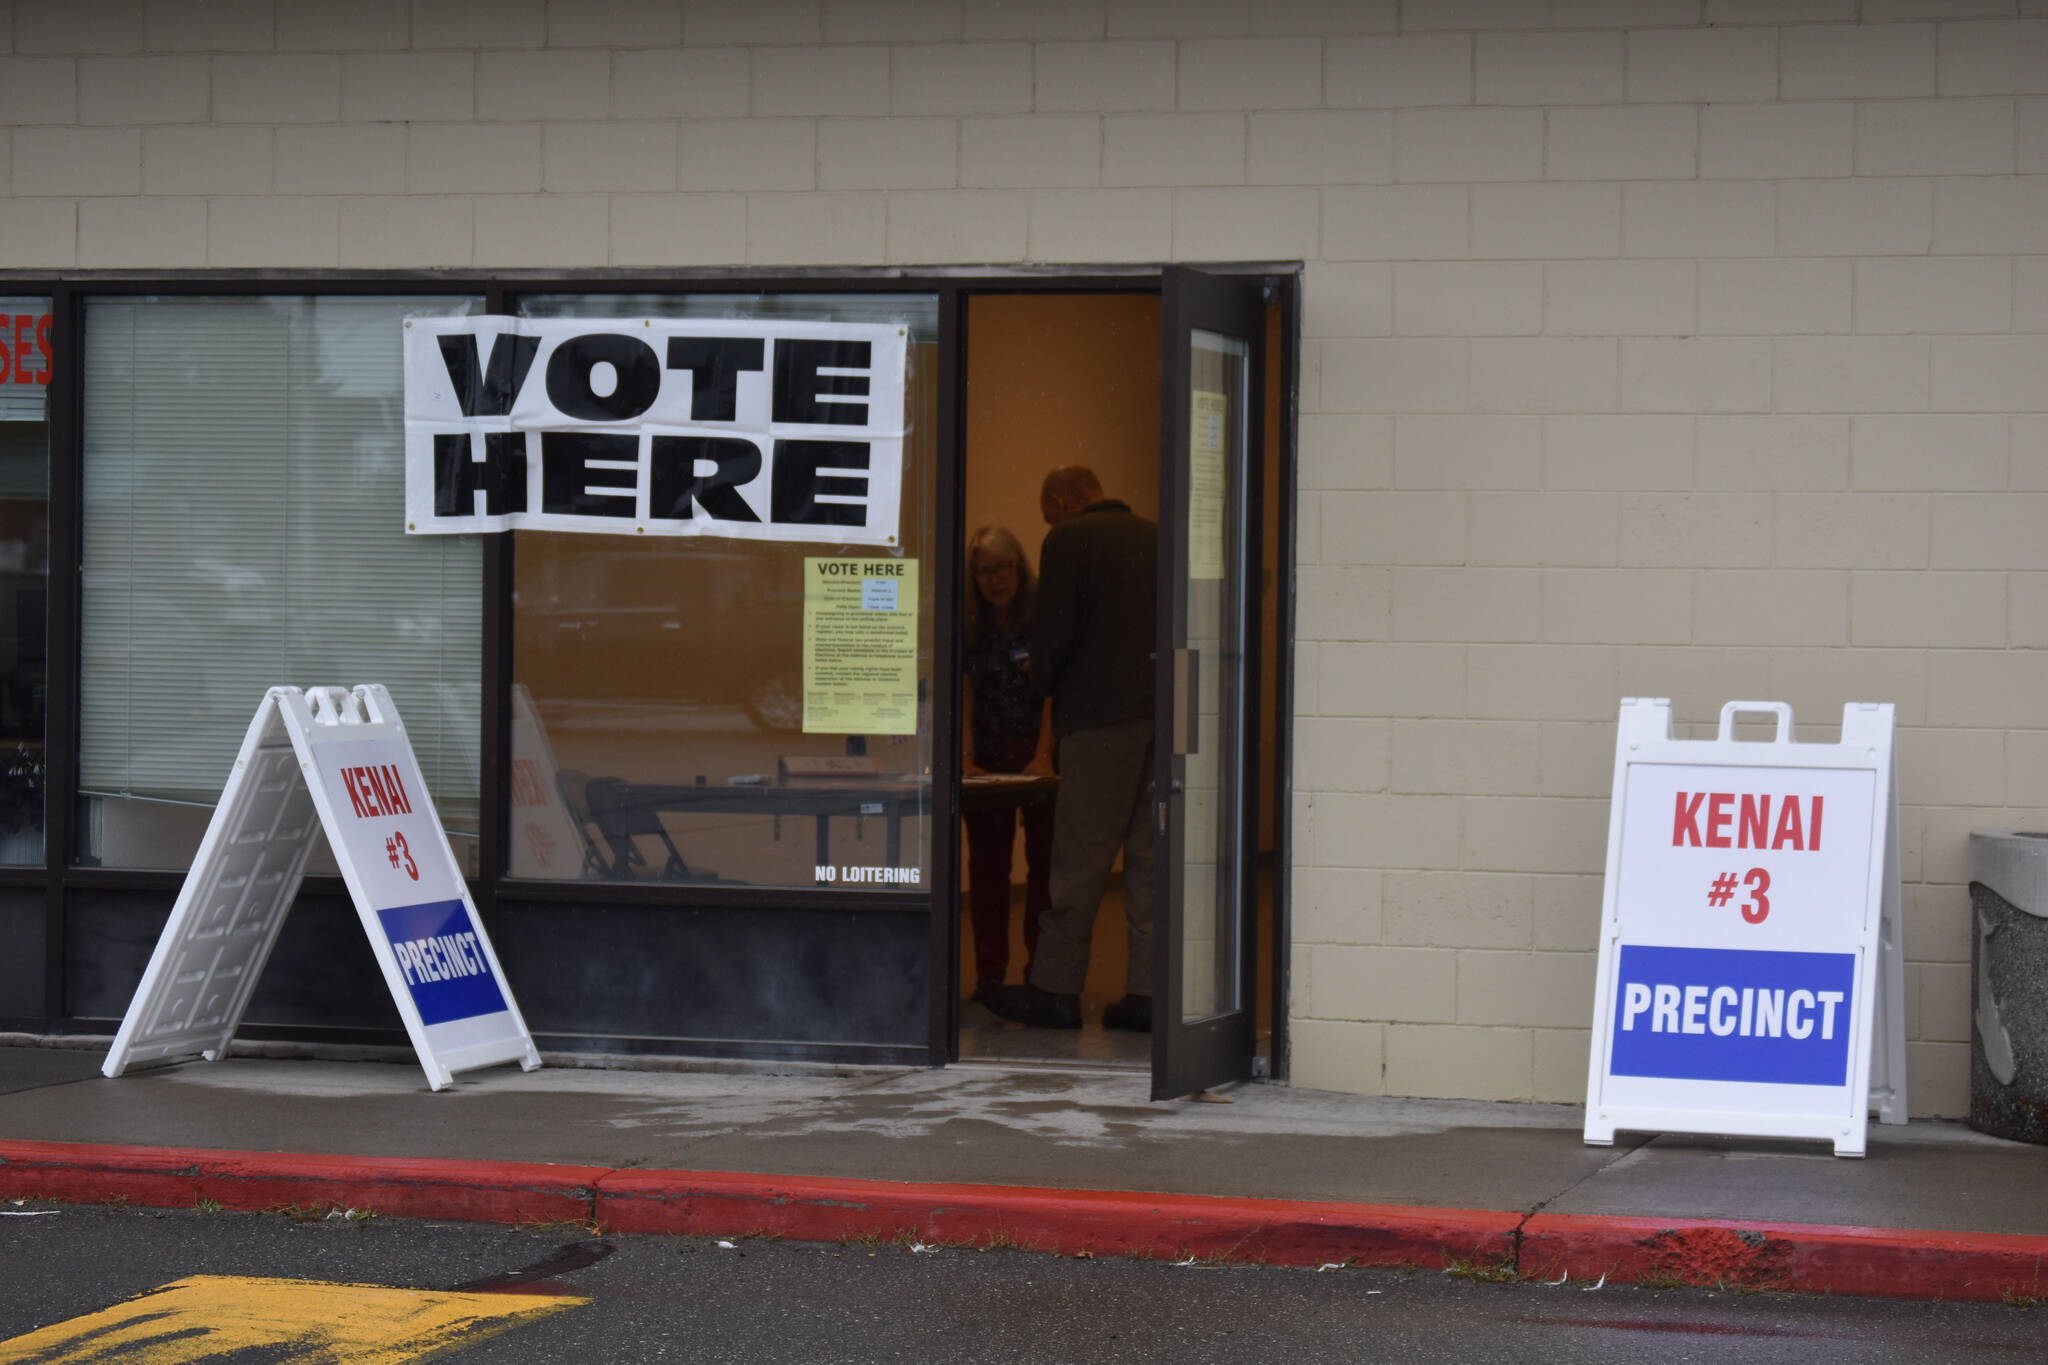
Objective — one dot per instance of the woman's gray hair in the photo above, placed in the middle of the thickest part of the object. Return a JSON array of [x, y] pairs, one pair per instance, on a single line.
[[1001, 543]]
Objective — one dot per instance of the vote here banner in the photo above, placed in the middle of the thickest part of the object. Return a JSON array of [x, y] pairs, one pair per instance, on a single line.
[[764, 429]]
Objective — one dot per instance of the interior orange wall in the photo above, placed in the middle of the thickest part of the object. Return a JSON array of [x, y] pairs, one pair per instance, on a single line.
[[1059, 379], [1074, 379]]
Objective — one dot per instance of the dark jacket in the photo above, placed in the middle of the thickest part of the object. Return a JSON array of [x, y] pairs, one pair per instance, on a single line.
[[1091, 644]]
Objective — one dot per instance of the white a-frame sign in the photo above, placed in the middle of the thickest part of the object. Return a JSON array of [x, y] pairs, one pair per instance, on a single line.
[[1751, 979], [336, 760]]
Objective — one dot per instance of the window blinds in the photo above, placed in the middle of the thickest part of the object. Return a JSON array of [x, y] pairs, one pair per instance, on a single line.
[[244, 496]]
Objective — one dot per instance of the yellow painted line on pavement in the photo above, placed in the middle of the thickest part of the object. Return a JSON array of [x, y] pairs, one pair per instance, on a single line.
[[207, 1317]]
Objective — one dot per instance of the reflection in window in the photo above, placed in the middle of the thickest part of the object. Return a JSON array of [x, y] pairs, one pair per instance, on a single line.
[[658, 721], [244, 528], [25, 368]]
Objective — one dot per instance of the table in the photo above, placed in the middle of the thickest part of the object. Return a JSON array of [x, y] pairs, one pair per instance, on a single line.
[[626, 810], [993, 791]]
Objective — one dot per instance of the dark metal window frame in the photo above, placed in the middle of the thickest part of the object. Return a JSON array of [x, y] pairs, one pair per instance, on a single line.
[[60, 877]]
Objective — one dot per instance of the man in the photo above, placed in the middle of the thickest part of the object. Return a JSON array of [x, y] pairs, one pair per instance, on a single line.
[[1091, 653]]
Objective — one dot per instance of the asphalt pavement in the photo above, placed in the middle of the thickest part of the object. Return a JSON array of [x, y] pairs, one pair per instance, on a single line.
[[1066, 1160], [219, 1285]]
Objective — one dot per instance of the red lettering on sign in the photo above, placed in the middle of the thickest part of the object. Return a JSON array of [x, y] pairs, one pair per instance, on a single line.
[[1749, 815], [526, 788], [1717, 819], [397, 789], [1685, 824], [376, 791], [22, 337], [1758, 907], [1756, 820], [1789, 831], [355, 796]]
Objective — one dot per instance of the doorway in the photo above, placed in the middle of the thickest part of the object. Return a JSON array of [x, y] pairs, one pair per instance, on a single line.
[[1075, 378]]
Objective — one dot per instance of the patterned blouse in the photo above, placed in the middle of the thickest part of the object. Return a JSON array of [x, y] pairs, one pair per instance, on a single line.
[[1007, 705]]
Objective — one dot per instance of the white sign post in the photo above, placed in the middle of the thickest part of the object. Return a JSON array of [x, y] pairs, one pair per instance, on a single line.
[[336, 760], [1751, 979]]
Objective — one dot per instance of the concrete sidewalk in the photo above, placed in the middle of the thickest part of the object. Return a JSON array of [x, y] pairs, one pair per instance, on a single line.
[[1075, 1161]]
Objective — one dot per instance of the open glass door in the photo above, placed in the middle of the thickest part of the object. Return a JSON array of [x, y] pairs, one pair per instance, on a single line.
[[1211, 388]]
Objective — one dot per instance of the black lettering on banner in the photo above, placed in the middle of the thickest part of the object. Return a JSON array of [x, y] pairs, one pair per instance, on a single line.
[[487, 392], [800, 391], [633, 363], [797, 484], [714, 364], [674, 482], [501, 473], [567, 477]]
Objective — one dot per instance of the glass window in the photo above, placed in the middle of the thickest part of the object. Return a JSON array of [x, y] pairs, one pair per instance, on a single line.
[[659, 721], [25, 368], [244, 528]]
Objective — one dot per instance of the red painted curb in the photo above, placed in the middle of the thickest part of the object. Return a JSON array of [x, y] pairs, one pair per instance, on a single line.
[[411, 1187], [1810, 1258], [1069, 1222]]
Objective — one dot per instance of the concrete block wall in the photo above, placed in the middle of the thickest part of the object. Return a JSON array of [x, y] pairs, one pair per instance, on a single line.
[[1673, 360], [1694, 348]]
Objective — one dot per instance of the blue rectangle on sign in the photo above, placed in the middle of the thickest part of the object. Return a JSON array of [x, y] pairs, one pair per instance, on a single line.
[[442, 961], [1719, 1014]]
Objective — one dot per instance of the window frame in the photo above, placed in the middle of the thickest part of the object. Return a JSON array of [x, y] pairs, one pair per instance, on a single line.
[[30, 873], [939, 807], [60, 878]]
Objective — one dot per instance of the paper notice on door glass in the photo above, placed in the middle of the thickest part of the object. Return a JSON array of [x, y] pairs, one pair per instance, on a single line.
[[860, 646], [1205, 485]]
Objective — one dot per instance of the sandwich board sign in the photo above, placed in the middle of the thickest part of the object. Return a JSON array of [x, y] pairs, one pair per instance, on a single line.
[[547, 840], [1751, 977], [339, 761]]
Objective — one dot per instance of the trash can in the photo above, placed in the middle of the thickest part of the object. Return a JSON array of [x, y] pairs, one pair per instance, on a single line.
[[2009, 984]]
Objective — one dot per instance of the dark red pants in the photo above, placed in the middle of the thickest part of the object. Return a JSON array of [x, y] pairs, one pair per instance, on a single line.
[[991, 837]]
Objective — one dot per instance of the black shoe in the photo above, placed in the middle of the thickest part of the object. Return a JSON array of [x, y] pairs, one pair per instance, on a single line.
[[1029, 1005], [985, 988], [1133, 1012]]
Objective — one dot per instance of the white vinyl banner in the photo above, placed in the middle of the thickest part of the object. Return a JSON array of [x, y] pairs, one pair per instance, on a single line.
[[338, 761], [1749, 938], [754, 430]]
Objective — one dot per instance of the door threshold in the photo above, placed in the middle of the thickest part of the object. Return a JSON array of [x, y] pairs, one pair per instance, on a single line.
[[984, 1038], [1111, 1067]]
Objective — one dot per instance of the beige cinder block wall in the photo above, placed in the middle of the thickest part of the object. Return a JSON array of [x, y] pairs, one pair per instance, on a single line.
[[1678, 347]]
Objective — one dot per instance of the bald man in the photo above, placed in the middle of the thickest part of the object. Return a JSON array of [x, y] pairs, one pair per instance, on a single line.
[[1091, 653]]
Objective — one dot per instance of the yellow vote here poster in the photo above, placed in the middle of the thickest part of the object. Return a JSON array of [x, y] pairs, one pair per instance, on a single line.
[[860, 646]]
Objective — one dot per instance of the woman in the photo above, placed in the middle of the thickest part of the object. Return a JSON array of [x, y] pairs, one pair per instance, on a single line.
[[1007, 729]]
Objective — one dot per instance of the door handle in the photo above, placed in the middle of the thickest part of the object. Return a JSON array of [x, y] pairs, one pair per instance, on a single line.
[[1187, 700]]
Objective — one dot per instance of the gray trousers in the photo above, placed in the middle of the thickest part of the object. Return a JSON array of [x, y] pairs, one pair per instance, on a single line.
[[1105, 803]]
